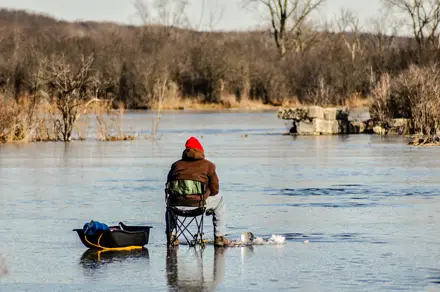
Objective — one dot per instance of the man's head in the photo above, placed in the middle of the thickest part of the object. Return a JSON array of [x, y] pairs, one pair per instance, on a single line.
[[193, 150], [193, 143]]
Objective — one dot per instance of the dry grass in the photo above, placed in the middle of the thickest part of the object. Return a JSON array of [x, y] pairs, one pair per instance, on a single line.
[[28, 120], [171, 99], [121, 138], [358, 101], [227, 102], [425, 141], [291, 102], [381, 93], [7, 113], [48, 127], [111, 121], [230, 102], [18, 118], [418, 89], [108, 122]]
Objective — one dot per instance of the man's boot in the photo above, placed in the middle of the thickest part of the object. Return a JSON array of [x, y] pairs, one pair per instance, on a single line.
[[221, 241], [173, 241]]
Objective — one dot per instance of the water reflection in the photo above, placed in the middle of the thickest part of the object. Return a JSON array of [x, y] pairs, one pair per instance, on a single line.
[[246, 251], [96, 259], [182, 276]]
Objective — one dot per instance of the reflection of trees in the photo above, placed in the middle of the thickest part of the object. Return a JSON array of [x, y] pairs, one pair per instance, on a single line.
[[197, 280]]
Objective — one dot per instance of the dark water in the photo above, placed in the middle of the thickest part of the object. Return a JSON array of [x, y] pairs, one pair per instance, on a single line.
[[369, 206]]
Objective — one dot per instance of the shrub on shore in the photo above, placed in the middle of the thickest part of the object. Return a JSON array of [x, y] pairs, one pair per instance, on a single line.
[[413, 94], [36, 120]]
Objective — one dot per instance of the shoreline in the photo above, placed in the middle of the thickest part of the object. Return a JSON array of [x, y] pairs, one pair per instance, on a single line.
[[217, 108], [203, 110]]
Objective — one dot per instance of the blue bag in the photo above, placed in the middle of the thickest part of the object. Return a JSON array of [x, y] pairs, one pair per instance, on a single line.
[[92, 227]]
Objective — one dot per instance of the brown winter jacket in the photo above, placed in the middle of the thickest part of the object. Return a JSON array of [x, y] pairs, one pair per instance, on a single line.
[[193, 166]]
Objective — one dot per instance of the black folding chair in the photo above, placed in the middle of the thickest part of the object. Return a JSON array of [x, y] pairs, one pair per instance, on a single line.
[[180, 220]]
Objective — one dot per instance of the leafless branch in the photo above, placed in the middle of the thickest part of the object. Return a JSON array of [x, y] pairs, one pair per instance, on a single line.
[[384, 30], [72, 85], [348, 22], [288, 18], [424, 19], [169, 13]]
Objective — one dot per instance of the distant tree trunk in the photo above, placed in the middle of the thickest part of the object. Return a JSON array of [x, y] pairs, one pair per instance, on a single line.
[[349, 22], [287, 18], [424, 19]]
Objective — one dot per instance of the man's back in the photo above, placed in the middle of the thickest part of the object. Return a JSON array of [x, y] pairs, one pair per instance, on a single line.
[[190, 178], [194, 166]]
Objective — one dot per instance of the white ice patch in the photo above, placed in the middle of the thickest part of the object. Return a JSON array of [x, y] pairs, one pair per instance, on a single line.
[[277, 239], [273, 240]]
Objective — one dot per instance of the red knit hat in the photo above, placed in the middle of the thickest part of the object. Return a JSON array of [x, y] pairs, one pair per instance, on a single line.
[[194, 143]]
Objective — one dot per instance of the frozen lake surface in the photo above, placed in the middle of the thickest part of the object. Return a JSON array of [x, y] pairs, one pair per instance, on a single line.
[[369, 207]]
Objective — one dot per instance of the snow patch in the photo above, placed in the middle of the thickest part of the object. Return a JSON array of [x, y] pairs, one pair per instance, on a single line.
[[273, 240]]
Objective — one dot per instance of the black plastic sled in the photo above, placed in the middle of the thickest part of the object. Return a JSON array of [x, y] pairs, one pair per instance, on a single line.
[[121, 237]]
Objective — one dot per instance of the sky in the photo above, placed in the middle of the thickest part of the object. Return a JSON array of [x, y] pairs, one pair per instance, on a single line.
[[234, 16]]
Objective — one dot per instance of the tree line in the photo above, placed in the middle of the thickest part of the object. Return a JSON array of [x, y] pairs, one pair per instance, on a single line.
[[292, 59]]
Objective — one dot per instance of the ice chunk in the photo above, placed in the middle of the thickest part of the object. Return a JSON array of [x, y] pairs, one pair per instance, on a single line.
[[274, 239], [259, 241], [277, 239]]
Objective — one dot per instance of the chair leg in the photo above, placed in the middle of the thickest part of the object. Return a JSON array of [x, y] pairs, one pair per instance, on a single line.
[[199, 236], [168, 227], [171, 228], [202, 243], [181, 227]]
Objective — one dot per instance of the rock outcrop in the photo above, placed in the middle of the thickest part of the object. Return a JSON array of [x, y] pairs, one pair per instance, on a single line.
[[316, 120]]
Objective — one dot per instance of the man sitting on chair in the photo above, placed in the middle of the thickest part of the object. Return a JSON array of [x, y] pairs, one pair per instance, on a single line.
[[194, 167]]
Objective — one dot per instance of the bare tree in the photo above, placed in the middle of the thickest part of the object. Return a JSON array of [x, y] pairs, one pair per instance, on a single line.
[[287, 18], [159, 92], [73, 87], [348, 23], [160, 18], [424, 19], [171, 12], [214, 9], [167, 13], [384, 30]]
